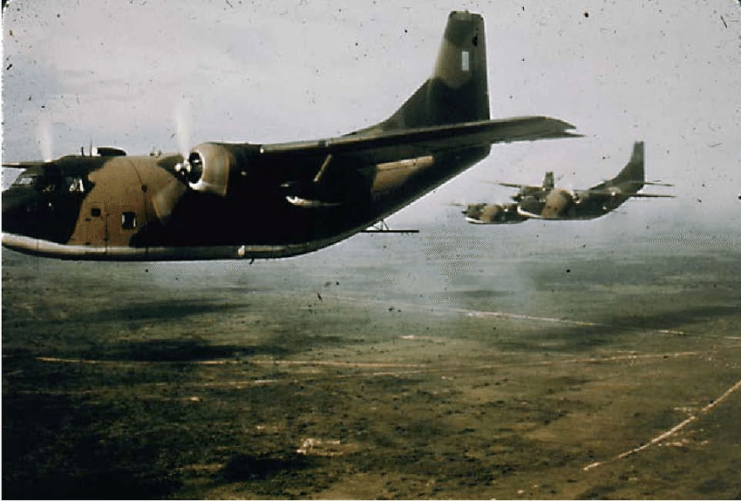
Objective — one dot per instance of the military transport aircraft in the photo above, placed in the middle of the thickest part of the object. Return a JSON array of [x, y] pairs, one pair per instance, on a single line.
[[225, 200], [552, 203]]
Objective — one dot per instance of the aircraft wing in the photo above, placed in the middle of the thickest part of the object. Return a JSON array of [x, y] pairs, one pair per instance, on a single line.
[[452, 136], [23, 165]]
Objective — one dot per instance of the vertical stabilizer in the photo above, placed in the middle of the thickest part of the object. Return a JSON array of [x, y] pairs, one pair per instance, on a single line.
[[548, 182], [457, 91], [634, 172]]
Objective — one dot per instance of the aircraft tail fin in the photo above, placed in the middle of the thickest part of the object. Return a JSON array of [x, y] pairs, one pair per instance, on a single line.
[[548, 182], [634, 171], [457, 91]]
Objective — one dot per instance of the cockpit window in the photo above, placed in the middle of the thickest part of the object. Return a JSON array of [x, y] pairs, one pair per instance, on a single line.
[[26, 180], [75, 185], [49, 183]]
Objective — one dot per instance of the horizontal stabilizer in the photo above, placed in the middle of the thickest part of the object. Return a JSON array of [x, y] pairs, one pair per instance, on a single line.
[[650, 183], [649, 195], [619, 193]]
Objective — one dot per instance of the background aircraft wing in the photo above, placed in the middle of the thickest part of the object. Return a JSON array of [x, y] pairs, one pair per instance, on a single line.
[[519, 186], [442, 137], [648, 195], [609, 193]]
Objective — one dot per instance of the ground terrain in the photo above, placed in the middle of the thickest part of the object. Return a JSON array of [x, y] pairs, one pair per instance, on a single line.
[[387, 367]]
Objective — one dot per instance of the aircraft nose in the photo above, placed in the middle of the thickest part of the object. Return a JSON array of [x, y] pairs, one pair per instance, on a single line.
[[20, 210]]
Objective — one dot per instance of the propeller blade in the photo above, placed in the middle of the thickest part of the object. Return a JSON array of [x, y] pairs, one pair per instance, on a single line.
[[183, 126], [166, 199], [45, 138]]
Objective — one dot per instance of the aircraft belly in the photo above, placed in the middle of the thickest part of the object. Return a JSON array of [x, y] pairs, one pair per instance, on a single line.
[[45, 248]]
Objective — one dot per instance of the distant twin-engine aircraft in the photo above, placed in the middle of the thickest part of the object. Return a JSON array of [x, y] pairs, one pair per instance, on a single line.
[[552, 203], [221, 201]]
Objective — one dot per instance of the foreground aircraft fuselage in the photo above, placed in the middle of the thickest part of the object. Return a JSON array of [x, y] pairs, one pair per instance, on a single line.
[[272, 200], [548, 202]]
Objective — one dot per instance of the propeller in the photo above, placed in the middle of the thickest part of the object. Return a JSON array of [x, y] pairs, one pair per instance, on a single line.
[[183, 122], [45, 140], [167, 198]]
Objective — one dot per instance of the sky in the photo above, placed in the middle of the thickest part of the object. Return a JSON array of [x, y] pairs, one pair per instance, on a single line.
[[113, 73]]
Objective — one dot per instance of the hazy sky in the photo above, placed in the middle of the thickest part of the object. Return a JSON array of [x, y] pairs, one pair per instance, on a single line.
[[666, 72]]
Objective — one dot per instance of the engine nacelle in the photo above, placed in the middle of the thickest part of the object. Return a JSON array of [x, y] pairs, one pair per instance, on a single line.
[[557, 203], [209, 167]]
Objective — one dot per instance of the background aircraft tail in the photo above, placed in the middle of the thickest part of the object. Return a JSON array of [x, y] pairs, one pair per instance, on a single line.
[[457, 91], [633, 172], [548, 182]]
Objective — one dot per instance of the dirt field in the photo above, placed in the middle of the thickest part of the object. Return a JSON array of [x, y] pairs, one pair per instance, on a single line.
[[433, 366]]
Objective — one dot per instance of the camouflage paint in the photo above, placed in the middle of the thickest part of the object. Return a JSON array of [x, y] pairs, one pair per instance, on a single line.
[[265, 201], [535, 202]]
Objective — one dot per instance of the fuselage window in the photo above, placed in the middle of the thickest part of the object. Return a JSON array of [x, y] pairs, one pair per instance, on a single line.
[[128, 220], [95, 212]]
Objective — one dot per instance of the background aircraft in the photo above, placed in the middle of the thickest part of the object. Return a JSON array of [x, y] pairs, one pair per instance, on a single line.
[[553, 203], [222, 200]]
